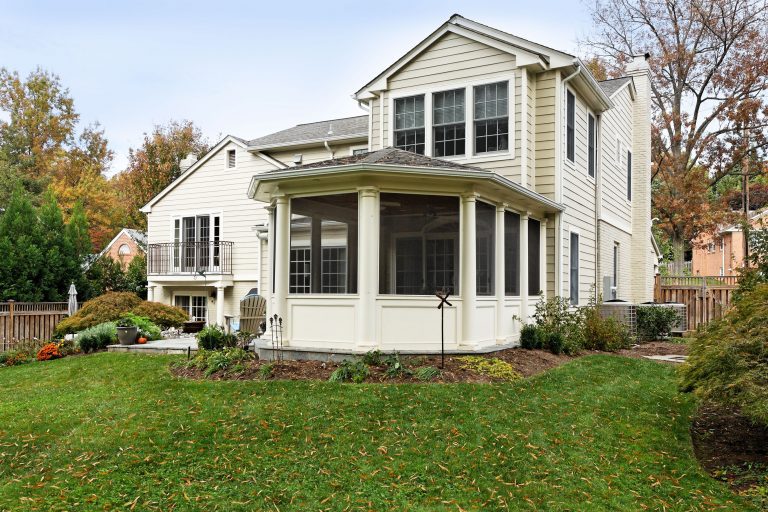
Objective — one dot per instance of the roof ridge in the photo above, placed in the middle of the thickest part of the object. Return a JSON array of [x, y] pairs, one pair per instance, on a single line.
[[329, 120]]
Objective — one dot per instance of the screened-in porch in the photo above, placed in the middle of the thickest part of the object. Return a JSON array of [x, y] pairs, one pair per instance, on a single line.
[[358, 260]]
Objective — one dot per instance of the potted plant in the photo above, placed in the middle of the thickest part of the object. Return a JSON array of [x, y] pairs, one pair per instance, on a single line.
[[126, 331]]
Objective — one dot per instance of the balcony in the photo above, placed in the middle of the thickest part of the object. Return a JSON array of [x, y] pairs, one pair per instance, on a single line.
[[190, 258]]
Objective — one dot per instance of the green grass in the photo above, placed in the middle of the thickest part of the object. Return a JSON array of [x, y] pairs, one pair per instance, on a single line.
[[109, 431]]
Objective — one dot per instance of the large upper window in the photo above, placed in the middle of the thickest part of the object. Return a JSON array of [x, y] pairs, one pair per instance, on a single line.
[[534, 257], [570, 134], [409, 124], [323, 256], [485, 232], [574, 276], [592, 136], [196, 247], [448, 123], [419, 244], [511, 253], [491, 117]]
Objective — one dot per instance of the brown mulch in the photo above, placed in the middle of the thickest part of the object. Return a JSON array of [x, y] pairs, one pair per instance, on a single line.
[[526, 362], [655, 348], [724, 440]]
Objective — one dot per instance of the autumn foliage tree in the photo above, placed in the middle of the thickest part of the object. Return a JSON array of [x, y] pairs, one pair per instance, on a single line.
[[155, 164], [709, 81]]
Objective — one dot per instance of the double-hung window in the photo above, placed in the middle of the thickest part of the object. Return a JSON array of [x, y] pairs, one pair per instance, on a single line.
[[448, 123], [570, 134], [591, 145], [409, 124], [491, 117]]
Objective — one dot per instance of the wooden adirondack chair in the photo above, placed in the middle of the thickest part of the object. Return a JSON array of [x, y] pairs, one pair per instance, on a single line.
[[253, 312]]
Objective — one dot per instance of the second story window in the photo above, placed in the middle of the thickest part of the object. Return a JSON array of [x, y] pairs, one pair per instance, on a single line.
[[570, 134], [448, 123], [409, 124], [492, 117], [591, 148]]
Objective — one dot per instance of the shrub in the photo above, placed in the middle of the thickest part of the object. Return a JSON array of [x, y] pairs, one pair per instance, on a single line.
[[373, 357], [355, 371], [225, 360], [607, 334], [555, 315], [161, 315], [14, 358], [728, 360], [265, 370], [655, 322], [554, 341], [48, 352], [113, 305], [426, 373], [97, 337], [211, 337], [530, 337], [490, 366], [395, 367]]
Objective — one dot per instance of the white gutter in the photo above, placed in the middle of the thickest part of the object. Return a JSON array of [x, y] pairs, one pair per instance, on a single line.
[[330, 151], [576, 63]]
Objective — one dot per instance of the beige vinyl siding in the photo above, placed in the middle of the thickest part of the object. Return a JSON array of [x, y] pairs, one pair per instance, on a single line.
[[375, 113], [616, 122], [544, 137], [579, 199], [609, 235], [455, 61], [530, 123]]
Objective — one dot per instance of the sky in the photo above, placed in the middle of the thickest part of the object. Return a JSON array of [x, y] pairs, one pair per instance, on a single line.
[[235, 67]]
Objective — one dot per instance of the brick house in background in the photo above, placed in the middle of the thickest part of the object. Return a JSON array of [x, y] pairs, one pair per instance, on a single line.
[[722, 254], [128, 244]]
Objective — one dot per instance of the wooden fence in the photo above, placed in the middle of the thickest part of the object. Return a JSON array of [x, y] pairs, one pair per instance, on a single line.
[[707, 297], [22, 323]]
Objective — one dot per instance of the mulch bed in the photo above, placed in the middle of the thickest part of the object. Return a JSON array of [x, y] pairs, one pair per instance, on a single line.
[[526, 362], [727, 444]]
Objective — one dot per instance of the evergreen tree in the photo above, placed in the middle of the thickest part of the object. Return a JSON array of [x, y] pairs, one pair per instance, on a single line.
[[22, 264]]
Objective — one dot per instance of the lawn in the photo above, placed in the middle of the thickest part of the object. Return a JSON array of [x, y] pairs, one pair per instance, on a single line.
[[115, 431]]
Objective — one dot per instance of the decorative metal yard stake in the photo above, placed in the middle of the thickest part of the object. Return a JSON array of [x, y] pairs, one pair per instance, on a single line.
[[276, 329], [443, 296]]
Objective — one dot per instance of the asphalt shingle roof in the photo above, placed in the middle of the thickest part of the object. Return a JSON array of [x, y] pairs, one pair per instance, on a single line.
[[386, 156], [346, 127], [611, 86]]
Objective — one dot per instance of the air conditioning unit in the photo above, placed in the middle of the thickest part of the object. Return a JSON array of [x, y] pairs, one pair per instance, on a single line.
[[622, 311], [610, 291]]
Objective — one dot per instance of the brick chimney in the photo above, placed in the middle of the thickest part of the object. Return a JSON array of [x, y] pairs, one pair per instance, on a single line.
[[642, 256]]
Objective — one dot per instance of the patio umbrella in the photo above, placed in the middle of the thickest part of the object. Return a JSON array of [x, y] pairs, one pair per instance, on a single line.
[[72, 306]]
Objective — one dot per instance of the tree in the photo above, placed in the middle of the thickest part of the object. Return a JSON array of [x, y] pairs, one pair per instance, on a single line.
[[709, 78], [154, 165], [41, 121]]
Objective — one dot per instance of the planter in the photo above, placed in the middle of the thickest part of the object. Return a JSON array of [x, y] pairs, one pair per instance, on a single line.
[[127, 335]]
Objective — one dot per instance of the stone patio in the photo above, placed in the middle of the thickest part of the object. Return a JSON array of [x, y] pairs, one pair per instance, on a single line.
[[166, 346]]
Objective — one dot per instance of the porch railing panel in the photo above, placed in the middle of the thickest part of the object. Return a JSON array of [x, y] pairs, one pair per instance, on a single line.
[[189, 258]]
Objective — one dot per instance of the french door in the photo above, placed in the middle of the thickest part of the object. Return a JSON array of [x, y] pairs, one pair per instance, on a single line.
[[196, 243]]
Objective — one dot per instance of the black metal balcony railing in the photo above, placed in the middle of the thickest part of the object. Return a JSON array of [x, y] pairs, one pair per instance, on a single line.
[[189, 258]]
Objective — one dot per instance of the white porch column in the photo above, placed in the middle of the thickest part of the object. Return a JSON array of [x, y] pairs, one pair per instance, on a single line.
[[368, 265], [151, 292], [524, 266], [468, 291], [281, 234], [499, 273], [220, 306]]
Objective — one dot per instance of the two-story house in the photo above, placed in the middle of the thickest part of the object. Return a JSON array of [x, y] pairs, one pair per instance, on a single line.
[[486, 165]]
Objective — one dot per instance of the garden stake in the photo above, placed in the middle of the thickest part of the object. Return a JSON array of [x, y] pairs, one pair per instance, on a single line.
[[443, 296]]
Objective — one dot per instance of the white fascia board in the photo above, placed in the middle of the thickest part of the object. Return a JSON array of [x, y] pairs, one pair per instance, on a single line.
[[257, 180], [308, 142], [147, 208]]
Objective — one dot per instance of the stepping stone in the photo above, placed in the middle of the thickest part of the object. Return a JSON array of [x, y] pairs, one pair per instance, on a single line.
[[671, 358]]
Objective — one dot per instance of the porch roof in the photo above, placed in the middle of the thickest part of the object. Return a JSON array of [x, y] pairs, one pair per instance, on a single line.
[[391, 162]]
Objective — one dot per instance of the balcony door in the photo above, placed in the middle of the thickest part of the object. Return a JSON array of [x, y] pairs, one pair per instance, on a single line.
[[196, 243]]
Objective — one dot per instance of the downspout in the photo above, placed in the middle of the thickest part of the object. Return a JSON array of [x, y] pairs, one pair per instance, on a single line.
[[325, 142]]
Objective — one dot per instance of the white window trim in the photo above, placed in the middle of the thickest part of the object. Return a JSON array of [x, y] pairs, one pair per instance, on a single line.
[[597, 144], [469, 116], [577, 232], [226, 158], [190, 294], [195, 213], [566, 160]]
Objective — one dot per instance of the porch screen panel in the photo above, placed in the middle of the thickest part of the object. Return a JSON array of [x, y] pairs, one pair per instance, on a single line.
[[534, 257], [324, 244], [418, 244], [485, 242], [511, 253]]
